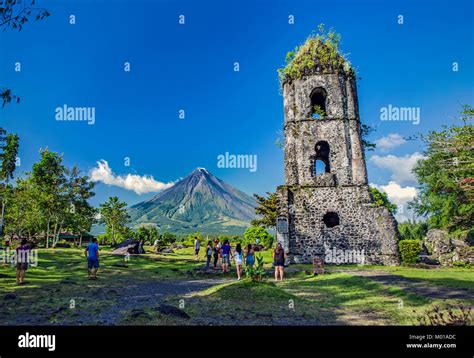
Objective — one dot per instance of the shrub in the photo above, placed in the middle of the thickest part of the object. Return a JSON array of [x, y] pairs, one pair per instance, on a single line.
[[256, 272], [257, 232], [381, 199], [462, 264], [167, 238], [409, 250], [321, 49]]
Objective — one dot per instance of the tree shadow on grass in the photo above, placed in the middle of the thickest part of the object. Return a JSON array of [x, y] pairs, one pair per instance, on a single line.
[[357, 296]]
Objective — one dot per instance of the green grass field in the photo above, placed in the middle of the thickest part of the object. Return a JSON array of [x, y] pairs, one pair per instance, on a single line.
[[344, 295]]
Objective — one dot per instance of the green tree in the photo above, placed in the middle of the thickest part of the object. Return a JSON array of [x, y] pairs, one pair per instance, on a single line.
[[115, 216], [8, 160], [168, 238], [381, 199], [267, 208], [24, 216], [48, 200], [147, 233], [254, 233], [411, 230], [446, 177], [49, 182], [81, 215]]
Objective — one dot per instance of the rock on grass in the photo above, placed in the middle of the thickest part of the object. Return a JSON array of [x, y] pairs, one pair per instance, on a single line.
[[172, 311], [138, 314]]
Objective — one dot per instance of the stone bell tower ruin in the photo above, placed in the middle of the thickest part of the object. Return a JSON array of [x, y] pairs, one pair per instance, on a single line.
[[325, 208]]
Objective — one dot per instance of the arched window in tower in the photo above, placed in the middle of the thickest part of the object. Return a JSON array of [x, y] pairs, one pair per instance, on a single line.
[[331, 219], [318, 103], [321, 164], [319, 167]]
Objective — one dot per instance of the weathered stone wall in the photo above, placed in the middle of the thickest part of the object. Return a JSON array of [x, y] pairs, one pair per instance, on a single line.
[[447, 250], [363, 227], [340, 128]]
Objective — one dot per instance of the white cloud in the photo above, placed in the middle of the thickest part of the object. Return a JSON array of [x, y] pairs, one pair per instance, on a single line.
[[400, 196], [401, 167], [139, 184], [392, 141]]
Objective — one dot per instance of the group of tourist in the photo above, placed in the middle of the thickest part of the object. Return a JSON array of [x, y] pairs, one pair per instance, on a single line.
[[223, 251], [216, 251]]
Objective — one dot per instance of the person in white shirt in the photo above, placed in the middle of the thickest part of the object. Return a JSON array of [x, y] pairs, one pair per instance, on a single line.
[[238, 256]]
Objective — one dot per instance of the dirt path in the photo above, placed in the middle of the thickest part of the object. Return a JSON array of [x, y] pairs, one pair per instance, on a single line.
[[412, 285], [150, 294], [114, 302]]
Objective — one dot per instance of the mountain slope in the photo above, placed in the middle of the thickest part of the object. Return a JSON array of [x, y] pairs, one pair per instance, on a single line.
[[199, 202]]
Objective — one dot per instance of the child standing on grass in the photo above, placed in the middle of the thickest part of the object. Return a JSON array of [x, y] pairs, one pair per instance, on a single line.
[[208, 254], [22, 259], [226, 254], [279, 257], [238, 260], [92, 255]]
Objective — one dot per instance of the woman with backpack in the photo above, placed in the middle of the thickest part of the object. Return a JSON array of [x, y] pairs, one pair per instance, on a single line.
[[279, 257], [238, 260], [249, 256]]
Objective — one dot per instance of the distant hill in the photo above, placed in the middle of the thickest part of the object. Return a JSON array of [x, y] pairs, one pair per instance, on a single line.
[[199, 202]]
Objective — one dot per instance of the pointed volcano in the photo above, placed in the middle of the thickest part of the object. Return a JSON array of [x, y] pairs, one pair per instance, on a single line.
[[199, 202]]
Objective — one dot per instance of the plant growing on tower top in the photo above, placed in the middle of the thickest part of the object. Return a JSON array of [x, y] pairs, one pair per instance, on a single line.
[[319, 54]]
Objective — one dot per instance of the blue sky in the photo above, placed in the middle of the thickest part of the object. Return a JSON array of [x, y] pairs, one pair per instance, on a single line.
[[191, 67]]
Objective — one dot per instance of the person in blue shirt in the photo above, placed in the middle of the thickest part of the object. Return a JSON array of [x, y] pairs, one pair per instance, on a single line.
[[226, 254], [92, 255]]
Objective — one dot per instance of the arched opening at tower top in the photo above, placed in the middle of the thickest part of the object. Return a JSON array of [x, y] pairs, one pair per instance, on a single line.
[[331, 219], [322, 157], [318, 103]]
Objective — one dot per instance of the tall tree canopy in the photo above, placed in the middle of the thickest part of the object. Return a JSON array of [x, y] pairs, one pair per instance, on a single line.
[[446, 176], [115, 216], [9, 145], [267, 208], [49, 200]]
